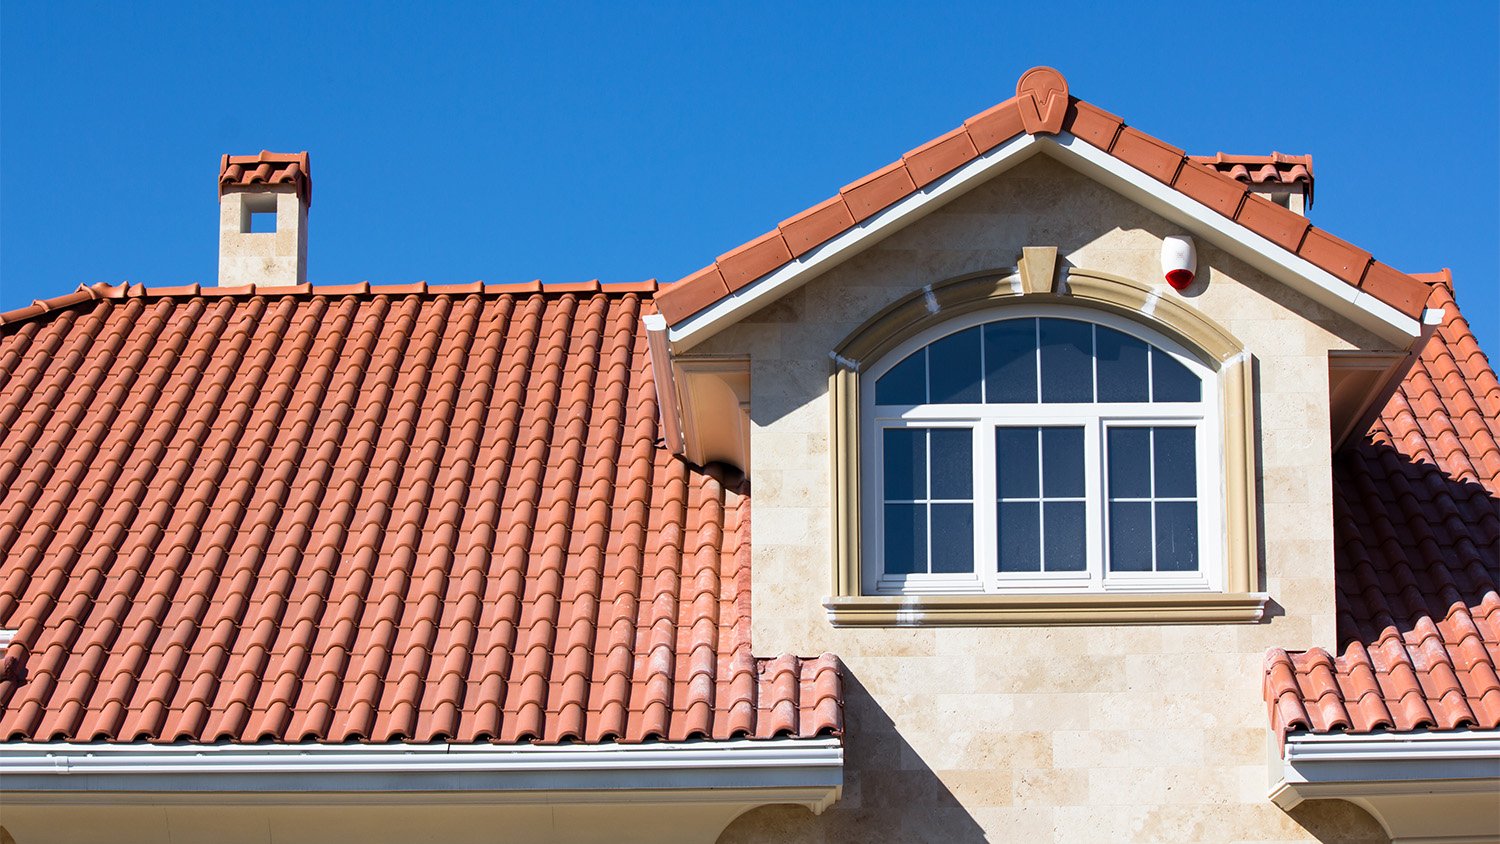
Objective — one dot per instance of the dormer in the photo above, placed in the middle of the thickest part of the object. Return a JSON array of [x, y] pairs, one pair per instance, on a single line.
[[263, 202]]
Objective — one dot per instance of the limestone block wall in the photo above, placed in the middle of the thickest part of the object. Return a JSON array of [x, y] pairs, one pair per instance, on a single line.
[[1077, 734], [264, 258]]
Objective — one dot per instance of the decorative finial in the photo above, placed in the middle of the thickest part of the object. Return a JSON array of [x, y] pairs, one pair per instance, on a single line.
[[1043, 97]]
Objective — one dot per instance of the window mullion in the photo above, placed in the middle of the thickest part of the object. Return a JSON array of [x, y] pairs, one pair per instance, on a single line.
[[986, 542], [1094, 510], [1151, 471]]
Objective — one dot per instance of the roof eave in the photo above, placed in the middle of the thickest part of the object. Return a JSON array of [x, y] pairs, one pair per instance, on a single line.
[[1419, 785], [805, 771]]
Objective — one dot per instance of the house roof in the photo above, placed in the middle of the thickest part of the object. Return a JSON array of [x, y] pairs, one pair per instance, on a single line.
[[1417, 508], [358, 513], [1041, 106]]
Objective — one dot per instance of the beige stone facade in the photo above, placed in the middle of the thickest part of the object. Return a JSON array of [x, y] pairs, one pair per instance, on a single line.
[[1071, 734], [262, 258]]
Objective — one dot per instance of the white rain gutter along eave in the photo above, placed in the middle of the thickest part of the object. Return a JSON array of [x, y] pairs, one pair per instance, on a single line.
[[804, 765], [1339, 765]]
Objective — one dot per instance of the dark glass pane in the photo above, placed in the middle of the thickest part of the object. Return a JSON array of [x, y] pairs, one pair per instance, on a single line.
[[1020, 536], [1121, 363], [1064, 535], [952, 538], [1010, 361], [1171, 381], [905, 463], [1176, 536], [1129, 462], [1130, 536], [954, 367], [1067, 349], [1062, 462], [905, 538], [1016, 462], [905, 383], [952, 462], [1176, 463]]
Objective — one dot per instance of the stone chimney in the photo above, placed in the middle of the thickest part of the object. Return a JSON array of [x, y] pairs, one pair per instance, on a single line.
[[1286, 180], [263, 202]]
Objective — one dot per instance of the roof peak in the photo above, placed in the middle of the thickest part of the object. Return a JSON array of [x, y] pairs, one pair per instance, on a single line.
[[1044, 107]]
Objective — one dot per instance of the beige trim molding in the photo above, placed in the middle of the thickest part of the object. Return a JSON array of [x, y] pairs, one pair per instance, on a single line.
[[1241, 601], [1093, 608]]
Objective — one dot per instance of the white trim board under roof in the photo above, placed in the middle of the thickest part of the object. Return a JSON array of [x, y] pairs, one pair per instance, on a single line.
[[1173, 205], [1434, 786], [809, 770]]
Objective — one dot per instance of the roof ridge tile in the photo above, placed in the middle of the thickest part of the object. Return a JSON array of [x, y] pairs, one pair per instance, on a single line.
[[1198, 177]]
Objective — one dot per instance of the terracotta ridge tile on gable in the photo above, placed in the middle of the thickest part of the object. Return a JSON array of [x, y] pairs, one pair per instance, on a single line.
[[1042, 105], [84, 293]]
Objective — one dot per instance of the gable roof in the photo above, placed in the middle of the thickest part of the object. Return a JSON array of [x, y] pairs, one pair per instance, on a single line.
[[1041, 108], [358, 513], [1417, 509]]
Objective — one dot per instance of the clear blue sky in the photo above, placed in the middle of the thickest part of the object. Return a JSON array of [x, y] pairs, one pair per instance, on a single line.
[[622, 142]]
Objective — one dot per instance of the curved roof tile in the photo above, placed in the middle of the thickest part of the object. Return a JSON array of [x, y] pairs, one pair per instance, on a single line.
[[413, 513], [1417, 508]]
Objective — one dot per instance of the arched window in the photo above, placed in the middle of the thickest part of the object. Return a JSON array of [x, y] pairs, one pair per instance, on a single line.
[[1040, 449]]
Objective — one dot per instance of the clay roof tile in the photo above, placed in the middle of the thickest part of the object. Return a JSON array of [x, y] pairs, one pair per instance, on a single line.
[[296, 492]]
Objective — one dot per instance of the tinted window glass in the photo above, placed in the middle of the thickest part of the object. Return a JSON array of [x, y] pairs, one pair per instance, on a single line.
[[1067, 360]]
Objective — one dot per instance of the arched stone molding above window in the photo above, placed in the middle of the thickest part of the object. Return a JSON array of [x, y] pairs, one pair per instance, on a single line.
[[1040, 289]]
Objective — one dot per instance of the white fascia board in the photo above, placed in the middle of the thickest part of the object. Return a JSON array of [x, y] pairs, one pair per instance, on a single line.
[[1297, 272], [1344, 766], [811, 769], [788, 277]]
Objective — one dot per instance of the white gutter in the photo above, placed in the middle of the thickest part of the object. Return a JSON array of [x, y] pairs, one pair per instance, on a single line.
[[1297, 272], [806, 771], [1421, 786], [668, 402]]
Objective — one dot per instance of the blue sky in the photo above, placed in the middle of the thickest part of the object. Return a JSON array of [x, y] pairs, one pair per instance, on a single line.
[[621, 142]]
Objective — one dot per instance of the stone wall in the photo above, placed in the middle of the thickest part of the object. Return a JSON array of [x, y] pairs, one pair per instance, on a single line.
[[1081, 734]]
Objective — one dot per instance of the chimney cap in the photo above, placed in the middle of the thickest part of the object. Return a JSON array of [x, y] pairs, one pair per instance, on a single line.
[[268, 168]]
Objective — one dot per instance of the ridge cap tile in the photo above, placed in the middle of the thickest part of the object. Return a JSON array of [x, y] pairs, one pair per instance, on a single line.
[[920, 166]]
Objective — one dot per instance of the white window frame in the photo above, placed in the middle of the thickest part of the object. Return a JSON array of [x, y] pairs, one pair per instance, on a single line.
[[1096, 419]]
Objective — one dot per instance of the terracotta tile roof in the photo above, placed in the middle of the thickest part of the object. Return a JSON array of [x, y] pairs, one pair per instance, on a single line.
[[1418, 527], [268, 168], [1041, 105], [1276, 168], [364, 513]]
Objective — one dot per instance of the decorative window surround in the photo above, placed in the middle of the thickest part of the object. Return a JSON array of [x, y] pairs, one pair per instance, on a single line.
[[1037, 282]]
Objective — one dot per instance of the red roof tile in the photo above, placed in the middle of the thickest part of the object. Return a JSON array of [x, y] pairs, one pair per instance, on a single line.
[[410, 513], [1037, 108], [1275, 169], [1418, 526], [267, 168]]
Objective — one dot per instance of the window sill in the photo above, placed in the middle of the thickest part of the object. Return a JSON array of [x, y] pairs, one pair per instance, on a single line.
[[1024, 610]]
